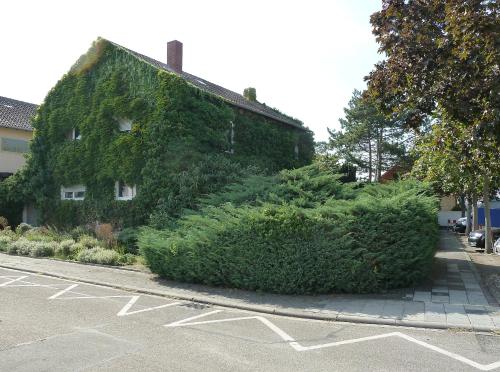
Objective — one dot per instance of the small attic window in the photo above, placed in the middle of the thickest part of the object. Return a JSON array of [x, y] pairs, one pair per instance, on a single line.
[[201, 82], [125, 125], [8, 106]]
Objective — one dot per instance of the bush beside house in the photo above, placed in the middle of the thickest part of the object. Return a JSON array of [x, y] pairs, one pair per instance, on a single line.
[[47, 242], [307, 233]]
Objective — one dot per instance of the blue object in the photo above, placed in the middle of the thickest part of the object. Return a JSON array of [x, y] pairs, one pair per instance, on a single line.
[[495, 217]]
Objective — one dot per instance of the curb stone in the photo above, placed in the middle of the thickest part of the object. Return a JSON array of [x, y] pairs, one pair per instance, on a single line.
[[263, 309]]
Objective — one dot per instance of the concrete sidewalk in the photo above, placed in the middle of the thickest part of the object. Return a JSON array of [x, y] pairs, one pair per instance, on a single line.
[[451, 298]]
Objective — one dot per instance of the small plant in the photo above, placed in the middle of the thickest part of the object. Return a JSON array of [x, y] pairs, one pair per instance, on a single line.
[[38, 234], [128, 239], [25, 247], [5, 240], [78, 232], [100, 256], [12, 248], [43, 249], [8, 232], [22, 228], [22, 247], [4, 223], [77, 247], [128, 259], [88, 241], [104, 232], [65, 248]]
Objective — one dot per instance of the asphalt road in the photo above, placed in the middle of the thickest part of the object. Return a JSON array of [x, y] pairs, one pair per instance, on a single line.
[[49, 324]]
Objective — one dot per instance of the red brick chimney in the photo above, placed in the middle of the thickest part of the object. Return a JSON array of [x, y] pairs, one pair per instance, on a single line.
[[174, 55]]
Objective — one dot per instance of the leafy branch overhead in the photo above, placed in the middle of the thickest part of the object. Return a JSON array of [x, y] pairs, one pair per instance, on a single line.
[[443, 62]]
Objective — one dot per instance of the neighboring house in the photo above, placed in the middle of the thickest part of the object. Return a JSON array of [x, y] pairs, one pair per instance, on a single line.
[[15, 134], [392, 174], [107, 133]]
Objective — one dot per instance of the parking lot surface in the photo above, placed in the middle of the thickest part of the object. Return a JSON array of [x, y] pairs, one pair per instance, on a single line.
[[49, 324]]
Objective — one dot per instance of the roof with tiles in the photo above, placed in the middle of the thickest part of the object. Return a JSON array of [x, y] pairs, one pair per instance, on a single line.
[[227, 95], [16, 114]]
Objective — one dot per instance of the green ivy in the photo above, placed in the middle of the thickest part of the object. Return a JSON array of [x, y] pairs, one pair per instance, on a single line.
[[176, 128]]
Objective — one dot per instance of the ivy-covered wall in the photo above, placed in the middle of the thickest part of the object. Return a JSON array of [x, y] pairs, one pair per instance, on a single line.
[[175, 128]]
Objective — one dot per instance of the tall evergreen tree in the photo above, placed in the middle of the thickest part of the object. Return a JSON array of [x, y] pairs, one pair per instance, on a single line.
[[368, 139]]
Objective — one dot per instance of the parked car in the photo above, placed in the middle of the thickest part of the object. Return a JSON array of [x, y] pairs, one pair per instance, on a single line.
[[496, 246], [476, 238], [460, 225]]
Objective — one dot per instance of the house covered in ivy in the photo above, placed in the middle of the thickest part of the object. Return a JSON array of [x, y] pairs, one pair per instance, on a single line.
[[122, 136]]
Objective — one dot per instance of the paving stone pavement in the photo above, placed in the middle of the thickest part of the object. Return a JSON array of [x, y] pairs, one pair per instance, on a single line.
[[451, 297]]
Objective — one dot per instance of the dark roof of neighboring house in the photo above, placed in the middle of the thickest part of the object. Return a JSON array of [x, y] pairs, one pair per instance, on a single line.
[[16, 114], [226, 94]]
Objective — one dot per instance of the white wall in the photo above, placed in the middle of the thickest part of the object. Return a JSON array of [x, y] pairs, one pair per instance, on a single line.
[[444, 216]]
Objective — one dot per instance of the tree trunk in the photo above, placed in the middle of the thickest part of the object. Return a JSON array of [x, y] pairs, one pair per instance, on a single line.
[[462, 204], [488, 238], [475, 221], [469, 212], [379, 154], [370, 163]]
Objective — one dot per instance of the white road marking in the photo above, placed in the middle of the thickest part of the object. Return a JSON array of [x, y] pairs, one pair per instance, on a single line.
[[284, 336], [184, 321], [18, 278], [482, 367], [69, 288], [125, 310], [297, 347]]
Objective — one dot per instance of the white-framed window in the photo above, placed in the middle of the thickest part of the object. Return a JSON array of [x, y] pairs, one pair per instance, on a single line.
[[124, 191], [75, 192], [296, 151], [125, 125], [74, 134]]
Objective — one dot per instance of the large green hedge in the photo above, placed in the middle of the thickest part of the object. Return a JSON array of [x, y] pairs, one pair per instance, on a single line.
[[176, 129], [305, 236]]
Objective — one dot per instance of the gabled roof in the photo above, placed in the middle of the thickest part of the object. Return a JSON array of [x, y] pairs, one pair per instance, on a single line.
[[16, 114], [227, 95]]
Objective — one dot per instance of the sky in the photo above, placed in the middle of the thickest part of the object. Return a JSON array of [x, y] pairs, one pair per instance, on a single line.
[[303, 57]]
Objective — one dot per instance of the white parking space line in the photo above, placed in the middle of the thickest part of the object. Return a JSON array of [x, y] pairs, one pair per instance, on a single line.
[[184, 321], [16, 279], [125, 310], [63, 291], [482, 367], [297, 347]]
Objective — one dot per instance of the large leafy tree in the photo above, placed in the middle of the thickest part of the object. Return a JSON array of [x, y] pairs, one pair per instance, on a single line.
[[443, 57], [444, 159], [368, 139]]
